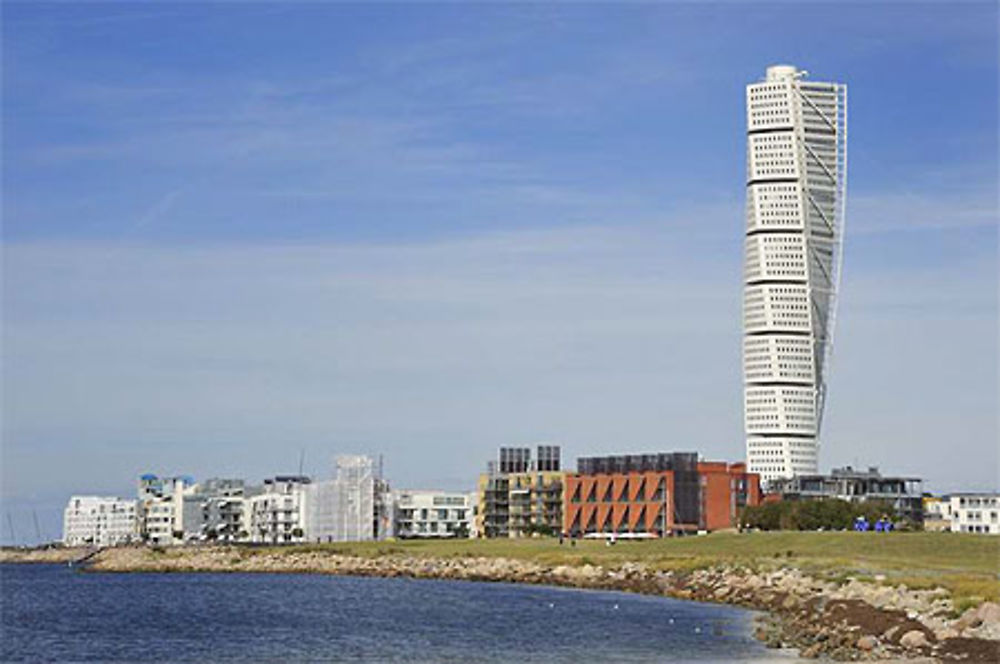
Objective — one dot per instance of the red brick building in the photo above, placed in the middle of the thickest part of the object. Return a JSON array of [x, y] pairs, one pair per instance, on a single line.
[[726, 488], [655, 494]]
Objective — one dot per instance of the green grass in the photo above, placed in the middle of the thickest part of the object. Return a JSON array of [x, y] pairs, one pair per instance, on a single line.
[[968, 566]]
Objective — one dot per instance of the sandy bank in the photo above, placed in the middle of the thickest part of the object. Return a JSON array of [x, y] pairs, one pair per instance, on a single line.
[[51, 555]]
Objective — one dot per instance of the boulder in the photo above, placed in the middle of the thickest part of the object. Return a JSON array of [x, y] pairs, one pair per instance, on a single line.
[[989, 613], [867, 643], [913, 639], [945, 633], [968, 619]]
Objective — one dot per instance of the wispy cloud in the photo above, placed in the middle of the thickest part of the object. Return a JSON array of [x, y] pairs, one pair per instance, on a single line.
[[916, 211]]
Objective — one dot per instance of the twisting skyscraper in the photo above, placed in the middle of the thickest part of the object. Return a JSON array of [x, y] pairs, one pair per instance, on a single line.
[[796, 175]]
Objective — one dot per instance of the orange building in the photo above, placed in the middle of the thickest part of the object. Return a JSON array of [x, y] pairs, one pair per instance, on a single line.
[[653, 495], [725, 490]]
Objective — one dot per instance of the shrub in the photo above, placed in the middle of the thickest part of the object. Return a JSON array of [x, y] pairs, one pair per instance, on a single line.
[[827, 514]]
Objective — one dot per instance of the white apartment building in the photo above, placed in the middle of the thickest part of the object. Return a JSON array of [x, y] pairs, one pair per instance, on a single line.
[[161, 508], [421, 513], [974, 513], [277, 516], [796, 185], [99, 521]]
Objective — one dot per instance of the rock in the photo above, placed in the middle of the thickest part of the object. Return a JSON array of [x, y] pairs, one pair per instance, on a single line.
[[812, 652], [867, 643], [968, 619], [945, 633], [989, 613], [790, 602], [913, 639]]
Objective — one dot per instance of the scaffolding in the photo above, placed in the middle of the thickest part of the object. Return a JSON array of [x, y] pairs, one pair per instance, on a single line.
[[346, 508]]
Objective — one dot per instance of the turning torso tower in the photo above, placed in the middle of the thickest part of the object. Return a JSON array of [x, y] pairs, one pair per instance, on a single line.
[[796, 176]]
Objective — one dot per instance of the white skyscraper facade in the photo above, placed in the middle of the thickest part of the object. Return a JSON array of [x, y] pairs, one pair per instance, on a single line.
[[796, 179]]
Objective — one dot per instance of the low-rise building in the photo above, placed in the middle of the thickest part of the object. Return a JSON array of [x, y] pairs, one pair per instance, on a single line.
[[99, 521], [655, 495], [518, 496], [277, 513], [432, 514], [161, 510], [218, 510], [975, 512], [937, 513], [902, 495]]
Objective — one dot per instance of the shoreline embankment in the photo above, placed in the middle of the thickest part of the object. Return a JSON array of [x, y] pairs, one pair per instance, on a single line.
[[845, 619]]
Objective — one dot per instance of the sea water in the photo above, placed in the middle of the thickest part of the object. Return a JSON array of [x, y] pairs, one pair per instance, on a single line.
[[58, 613]]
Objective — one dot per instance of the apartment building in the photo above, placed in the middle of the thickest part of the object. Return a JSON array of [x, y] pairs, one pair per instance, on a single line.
[[975, 513], [655, 495], [219, 511], [277, 513], [796, 176], [433, 514], [937, 513], [160, 510], [99, 521], [518, 496]]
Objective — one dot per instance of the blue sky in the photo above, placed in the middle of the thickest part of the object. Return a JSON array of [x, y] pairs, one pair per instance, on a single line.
[[234, 232]]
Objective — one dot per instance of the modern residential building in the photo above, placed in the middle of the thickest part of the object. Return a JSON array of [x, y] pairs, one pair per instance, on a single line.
[[902, 495], [937, 513], [353, 506], [99, 521], [655, 495], [277, 514], [174, 510], [975, 513], [516, 497], [161, 508], [430, 514], [796, 179], [218, 510]]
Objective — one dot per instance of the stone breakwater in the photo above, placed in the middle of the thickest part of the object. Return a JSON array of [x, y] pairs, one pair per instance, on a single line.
[[843, 621]]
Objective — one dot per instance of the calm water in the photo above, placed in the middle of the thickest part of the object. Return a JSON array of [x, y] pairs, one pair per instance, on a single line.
[[53, 613]]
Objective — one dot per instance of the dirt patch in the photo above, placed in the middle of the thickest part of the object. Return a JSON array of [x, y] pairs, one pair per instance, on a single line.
[[969, 650], [874, 622]]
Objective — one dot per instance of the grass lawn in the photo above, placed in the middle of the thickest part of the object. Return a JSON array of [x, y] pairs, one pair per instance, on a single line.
[[967, 565]]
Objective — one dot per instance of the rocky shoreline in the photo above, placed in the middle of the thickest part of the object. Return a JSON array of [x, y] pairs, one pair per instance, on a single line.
[[840, 620]]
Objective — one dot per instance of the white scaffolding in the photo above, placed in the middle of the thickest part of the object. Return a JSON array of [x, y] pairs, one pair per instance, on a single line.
[[343, 509]]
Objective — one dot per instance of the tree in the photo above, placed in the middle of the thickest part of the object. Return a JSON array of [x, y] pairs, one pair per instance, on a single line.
[[826, 514]]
